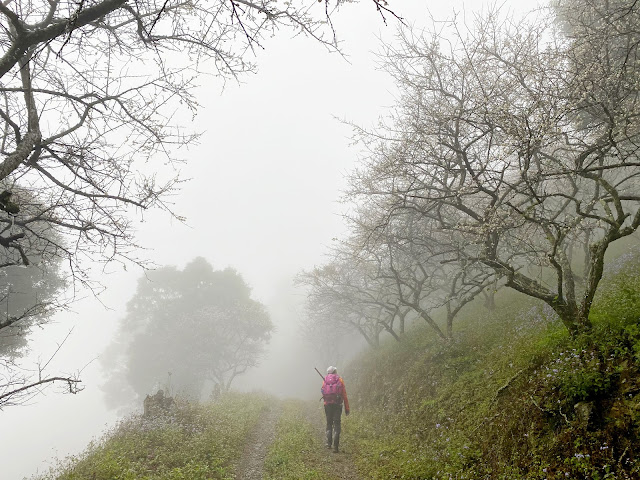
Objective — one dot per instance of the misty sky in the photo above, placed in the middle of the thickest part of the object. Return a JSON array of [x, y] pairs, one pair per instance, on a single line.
[[263, 199]]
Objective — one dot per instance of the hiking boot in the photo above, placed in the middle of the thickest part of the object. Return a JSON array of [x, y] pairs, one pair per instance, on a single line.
[[328, 445], [335, 449]]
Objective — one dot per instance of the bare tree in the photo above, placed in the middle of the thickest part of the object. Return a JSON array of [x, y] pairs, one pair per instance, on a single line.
[[92, 90], [522, 141], [343, 296], [93, 96], [390, 269], [425, 266]]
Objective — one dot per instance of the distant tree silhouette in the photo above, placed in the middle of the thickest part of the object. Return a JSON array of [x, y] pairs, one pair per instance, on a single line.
[[198, 325]]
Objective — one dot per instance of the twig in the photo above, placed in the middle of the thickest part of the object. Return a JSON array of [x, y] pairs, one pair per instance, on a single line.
[[381, 6], [551, 412], [623, 454], [155, 20], [507, 384], [57, 350], [71, 382]]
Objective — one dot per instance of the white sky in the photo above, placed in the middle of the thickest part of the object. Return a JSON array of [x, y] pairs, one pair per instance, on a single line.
[[263, 199]]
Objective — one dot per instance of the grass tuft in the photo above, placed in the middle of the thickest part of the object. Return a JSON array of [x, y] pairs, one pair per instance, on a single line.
[[295, 453]]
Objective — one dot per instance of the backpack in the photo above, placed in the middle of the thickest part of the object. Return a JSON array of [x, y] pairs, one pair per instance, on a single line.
[[332, 389]]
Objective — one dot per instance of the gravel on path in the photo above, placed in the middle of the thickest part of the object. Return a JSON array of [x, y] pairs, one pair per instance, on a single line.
[[252, 461]]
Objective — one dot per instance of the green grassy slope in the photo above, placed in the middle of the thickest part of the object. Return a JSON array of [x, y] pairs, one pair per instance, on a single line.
[[513, 397], [193, 442]]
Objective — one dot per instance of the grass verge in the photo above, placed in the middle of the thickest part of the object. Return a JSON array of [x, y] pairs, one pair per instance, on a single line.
[[295, 453], [512, 397], [192, 442]]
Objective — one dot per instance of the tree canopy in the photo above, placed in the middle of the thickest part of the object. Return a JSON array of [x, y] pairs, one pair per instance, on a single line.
[[188, 330], [511, 158]]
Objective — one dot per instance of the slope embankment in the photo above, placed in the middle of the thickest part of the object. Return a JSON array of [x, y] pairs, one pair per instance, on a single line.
[[190, 441], [512, 397]]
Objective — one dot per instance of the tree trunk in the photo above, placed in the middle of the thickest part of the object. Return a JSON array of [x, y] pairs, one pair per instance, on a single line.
[[401, 318], [594, 275], [568, 315], [489, 299], [392, 333], [431, 322], [371, 341]]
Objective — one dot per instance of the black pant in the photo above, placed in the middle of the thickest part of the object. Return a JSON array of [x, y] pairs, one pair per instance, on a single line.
[[333, 412]]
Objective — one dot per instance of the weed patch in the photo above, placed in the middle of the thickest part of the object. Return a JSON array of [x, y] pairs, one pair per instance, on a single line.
[[191, 442], [294, 453]]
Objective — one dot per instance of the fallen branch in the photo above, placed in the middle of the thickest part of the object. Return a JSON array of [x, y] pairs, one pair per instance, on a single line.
[[507, 384], [551, 412]]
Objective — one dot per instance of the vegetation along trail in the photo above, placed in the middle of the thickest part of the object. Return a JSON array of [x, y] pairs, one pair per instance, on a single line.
[[289, 443], [298, 450], [523, 402]]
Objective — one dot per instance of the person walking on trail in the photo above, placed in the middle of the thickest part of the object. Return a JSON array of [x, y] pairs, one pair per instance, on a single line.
[[334, 395]]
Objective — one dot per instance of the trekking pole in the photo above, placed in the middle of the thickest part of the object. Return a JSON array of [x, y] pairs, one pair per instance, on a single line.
[[316, 369]]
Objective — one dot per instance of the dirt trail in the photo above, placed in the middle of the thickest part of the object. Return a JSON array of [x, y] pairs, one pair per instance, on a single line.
[[255, 451], [340, 464]]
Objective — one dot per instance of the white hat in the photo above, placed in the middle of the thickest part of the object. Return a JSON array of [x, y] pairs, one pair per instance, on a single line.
[[331, 370]]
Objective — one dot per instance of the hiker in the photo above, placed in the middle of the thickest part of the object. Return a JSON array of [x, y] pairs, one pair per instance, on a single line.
[[334, 394]]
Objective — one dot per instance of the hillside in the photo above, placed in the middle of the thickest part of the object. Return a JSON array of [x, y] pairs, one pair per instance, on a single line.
[[512, 397]]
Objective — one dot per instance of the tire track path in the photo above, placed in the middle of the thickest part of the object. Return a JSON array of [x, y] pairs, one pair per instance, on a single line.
[[340, 465], [252, 462]]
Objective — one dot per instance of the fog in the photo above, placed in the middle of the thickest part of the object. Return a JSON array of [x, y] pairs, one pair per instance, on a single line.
[[263, 199]]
